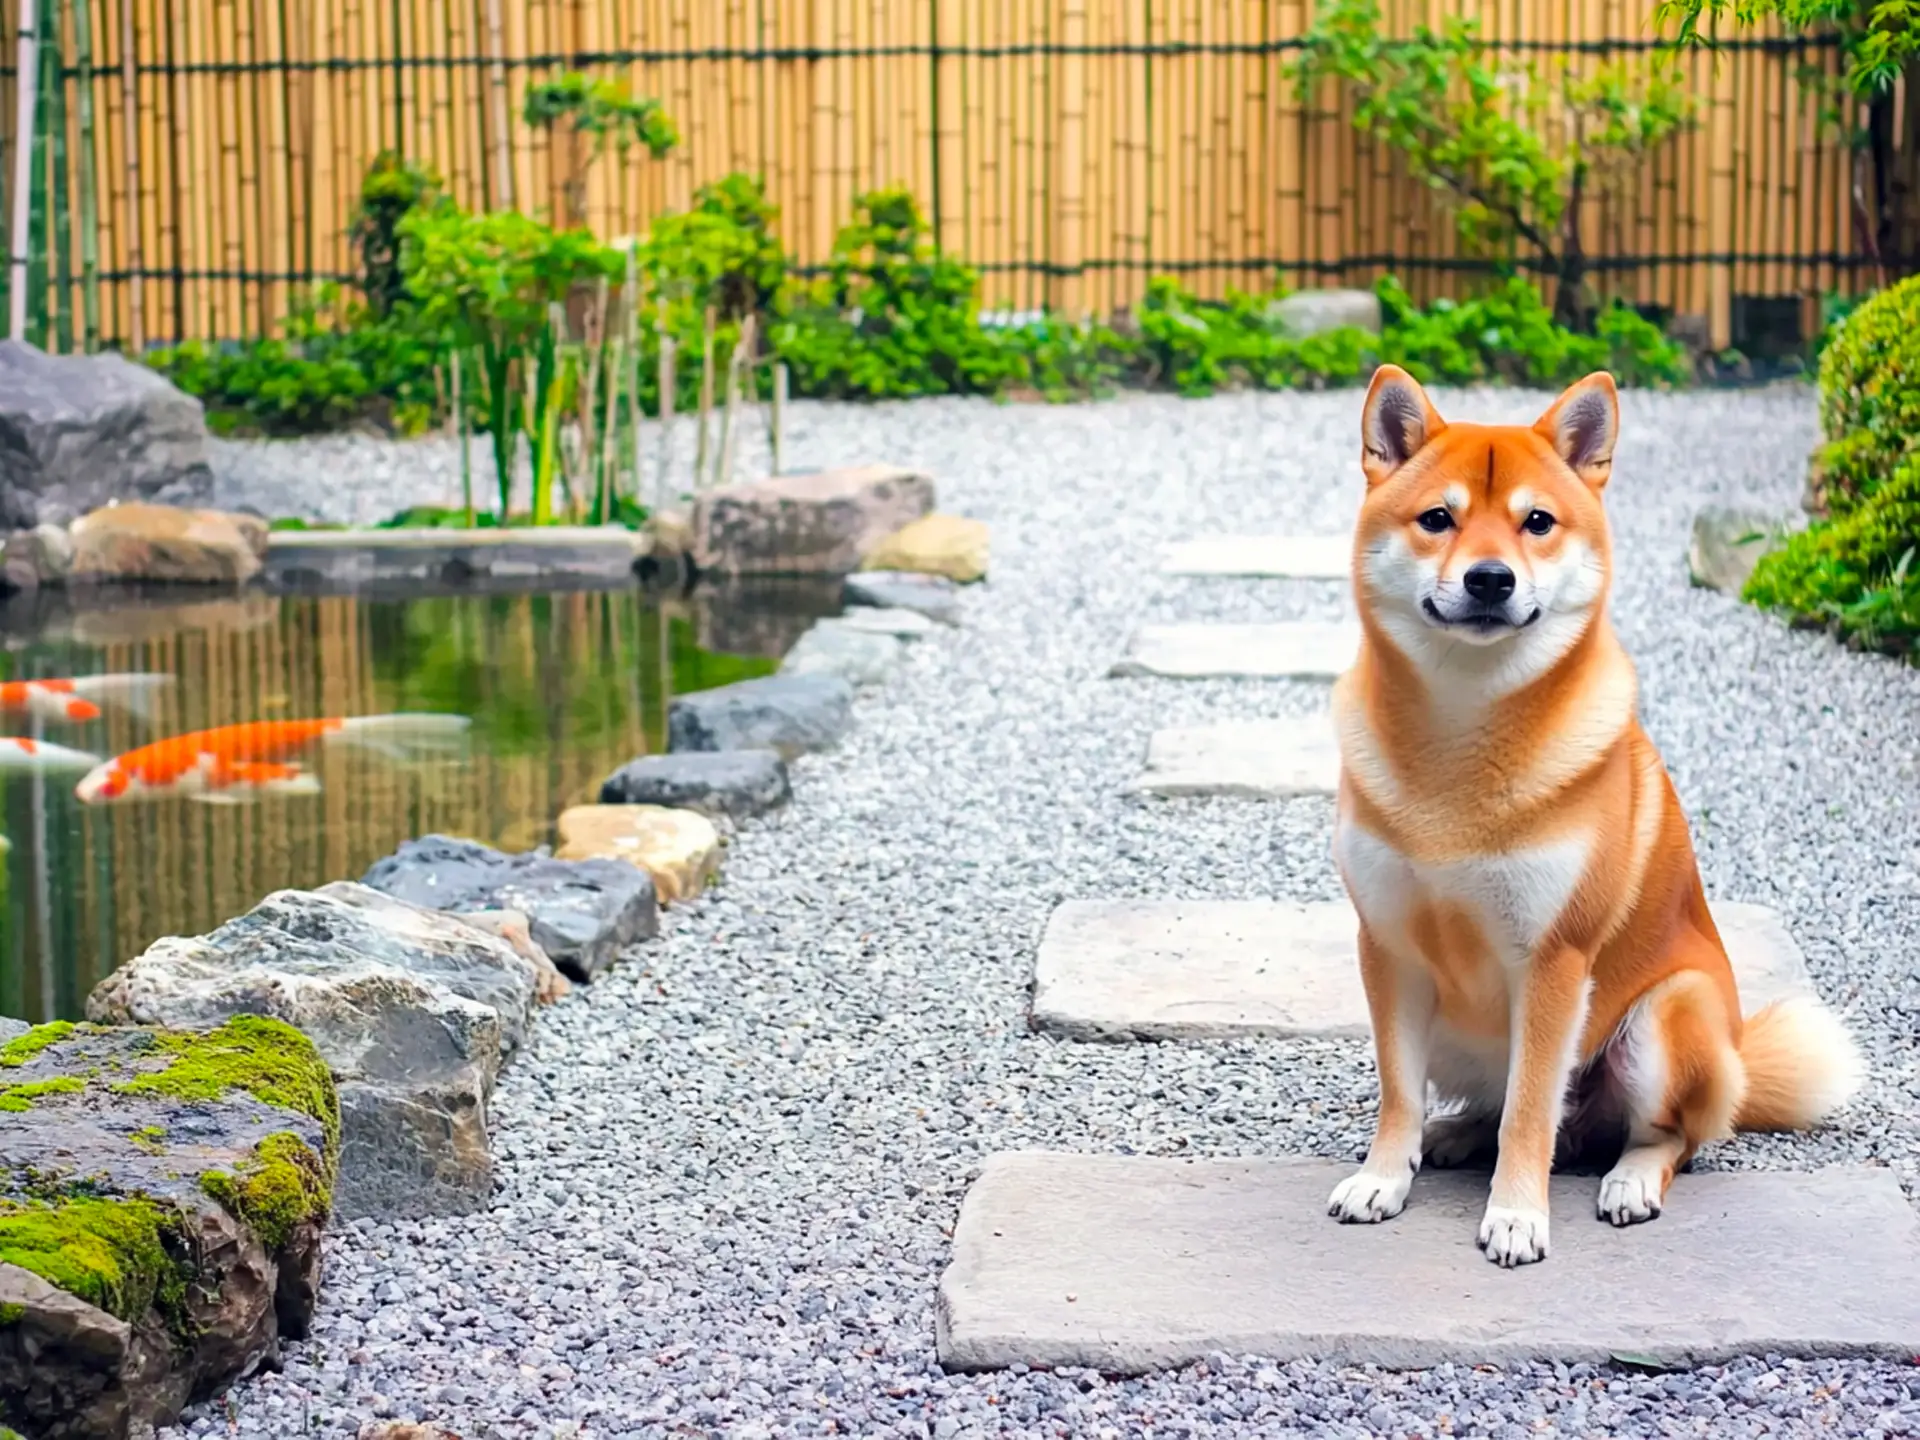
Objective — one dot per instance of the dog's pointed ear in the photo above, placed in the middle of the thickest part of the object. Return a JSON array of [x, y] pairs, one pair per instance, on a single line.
[[1395, 423], [1582, 426]]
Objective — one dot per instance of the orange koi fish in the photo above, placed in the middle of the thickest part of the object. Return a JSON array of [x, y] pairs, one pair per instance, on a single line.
[[233, 764], [78, 700], [20, 753]]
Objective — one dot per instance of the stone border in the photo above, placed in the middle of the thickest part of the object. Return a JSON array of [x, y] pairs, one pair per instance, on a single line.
[[429, 561]]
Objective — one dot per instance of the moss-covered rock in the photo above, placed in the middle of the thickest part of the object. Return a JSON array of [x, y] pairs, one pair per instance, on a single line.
[[161, 1201]]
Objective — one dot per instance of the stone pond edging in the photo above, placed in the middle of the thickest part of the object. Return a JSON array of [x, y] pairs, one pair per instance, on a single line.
[[404, 995]]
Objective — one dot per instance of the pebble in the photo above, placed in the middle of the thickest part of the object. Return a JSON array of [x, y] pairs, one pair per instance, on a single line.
[[766, 1119]]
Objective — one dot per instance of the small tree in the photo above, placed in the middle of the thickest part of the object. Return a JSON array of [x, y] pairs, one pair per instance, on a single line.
[[602, 113], [1514, 149], [1881, 42]]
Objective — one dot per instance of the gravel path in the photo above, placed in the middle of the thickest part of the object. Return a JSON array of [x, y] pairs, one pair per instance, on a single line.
[[730, 1169]]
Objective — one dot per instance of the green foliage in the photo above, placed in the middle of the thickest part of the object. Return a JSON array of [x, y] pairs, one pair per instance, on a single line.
[[893, 318], [111, 1253], [1855, 571], [267, 1058], [1513, 147], [393, 189], [19, 1051], [602, 109], [18, 1098], [283, 1187], [722, 253], [1881, 37]]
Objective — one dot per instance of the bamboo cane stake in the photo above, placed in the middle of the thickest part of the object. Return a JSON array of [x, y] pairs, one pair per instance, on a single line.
[[596, 338], [89, 181], [777, 419], [497, 104], [631, 331], [700, 446], [26, 82], [737, 362], [466, 449], [130, 143], [669, 399]]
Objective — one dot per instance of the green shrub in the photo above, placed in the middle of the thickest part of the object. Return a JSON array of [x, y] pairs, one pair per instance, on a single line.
[[392, 190], [1855, 570]]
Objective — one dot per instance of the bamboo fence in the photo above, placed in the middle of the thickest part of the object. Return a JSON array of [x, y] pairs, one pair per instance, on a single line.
[[1069, 148]]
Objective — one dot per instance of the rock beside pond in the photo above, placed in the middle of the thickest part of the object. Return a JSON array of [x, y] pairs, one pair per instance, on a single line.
[[901, 624], [789, 714], [1307, 313], [859, 657], [733, 783], [11, 1029], [679, 849], [583, 913], [934, 596], [164, 543], [805, 524], [162, 1197], [949, 545], [81, 431], [31, 559], [1728, 541], [415, 1012]]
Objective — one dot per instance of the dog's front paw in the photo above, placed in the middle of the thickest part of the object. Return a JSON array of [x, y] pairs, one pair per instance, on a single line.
[[1367, 1199], [1629, 1195], [1513, 1237]]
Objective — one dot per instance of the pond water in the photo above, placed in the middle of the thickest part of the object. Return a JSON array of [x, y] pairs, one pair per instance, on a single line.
[[561, 689]]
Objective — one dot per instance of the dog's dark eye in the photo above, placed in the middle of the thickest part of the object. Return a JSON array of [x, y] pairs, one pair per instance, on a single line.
[[1538, 522], [1436, 520]]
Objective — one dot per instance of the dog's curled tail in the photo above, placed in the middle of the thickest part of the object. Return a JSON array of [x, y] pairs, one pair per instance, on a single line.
[[1801, 1065]]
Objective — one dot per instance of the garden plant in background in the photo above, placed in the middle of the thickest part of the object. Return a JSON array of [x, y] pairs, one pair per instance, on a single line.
[[1516, 150], [580, 112], [1854, 569]]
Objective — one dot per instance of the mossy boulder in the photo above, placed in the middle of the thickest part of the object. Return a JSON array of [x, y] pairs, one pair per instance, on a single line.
[[162, 1196]]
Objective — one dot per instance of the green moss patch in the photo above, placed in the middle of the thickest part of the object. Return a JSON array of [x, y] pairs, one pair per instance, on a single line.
[[18, 1052], [284, 1186], [21, 1097], [110, 1253], [268, 1059]]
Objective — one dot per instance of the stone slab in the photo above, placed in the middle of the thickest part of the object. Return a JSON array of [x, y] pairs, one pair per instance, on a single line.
[[1209, 969], [1258, 759], [1289, 650], [326, 561], [1130, 1264], [1279, 557]]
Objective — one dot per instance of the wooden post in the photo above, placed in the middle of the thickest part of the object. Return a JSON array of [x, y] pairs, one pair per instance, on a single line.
[[130, 142], [26, 82]]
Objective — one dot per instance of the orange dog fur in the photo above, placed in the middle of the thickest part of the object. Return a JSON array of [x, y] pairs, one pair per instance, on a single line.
[[1534, 939]]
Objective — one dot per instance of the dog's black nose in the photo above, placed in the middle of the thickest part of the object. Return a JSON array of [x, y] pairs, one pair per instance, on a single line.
[[1489, 582]]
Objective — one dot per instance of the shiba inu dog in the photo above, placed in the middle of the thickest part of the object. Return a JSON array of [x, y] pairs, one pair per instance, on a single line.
[[1534, 939]]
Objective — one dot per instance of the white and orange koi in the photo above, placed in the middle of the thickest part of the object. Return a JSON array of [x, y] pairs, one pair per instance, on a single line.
[[79, 699], [233, 764], [18, 753]]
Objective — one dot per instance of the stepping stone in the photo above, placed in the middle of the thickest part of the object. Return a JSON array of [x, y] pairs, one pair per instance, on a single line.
[[1294, 650], [678, 849], [1129, 1264], [734, 783], [1263, 759], [1211, 969], [1283, 557]]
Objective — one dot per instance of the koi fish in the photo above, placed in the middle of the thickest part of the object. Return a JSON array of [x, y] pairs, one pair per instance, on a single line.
[[78, 700], [232, 764], [20, 753]]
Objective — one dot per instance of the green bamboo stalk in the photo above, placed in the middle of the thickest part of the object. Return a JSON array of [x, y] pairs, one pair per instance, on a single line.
[[466, 450], [504, 433], [25, 132], [777, 419], [632, 336], [60, 237], [669, 397], [89, 180], [610, 428]]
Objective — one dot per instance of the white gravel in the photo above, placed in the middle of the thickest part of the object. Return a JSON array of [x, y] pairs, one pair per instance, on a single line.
[[730, 1169]]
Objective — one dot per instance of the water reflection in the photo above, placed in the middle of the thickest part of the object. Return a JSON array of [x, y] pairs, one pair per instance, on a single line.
[[561, 688]]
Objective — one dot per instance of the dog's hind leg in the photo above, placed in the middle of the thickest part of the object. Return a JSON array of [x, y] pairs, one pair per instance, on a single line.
[[1470, 1082], [1680, 1079], [1400, 999]]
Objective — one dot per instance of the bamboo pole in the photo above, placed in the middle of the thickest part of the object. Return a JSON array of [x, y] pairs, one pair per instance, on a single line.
[[59, 202], [669, 398], [777, 419], [130, 142], [89, 180], [26, 82], [466, 448], [738, 368], [706, 402], [497, 107]]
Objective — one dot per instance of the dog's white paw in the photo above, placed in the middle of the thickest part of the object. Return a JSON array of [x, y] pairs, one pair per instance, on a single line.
[[1364, 1198], [1451, 1140], [1629, 1194], [1513, 1237]]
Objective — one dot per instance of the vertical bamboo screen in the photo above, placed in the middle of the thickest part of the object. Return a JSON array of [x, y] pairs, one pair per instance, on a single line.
[[1070, 148]]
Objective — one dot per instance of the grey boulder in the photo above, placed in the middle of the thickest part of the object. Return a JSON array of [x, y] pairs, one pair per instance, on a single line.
[[1728, 541], [934, 596], [412, 1010], [790, 714], [733, 783], [81, 431], [583, 913], [855, 655], [805, 524], [1307, 313]]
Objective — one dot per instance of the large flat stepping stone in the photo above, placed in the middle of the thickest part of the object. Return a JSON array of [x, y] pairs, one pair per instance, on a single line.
[[1290, 650], [1212, 969], [1280, 557], [1130, 1264], [1260, 759]]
